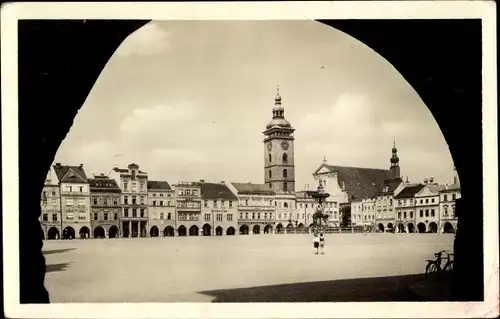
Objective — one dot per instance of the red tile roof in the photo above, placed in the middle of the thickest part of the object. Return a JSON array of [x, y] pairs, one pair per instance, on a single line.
[[160, 185], [215, 191], [253, 189], [70, 174], [409, 191], [360, 182]]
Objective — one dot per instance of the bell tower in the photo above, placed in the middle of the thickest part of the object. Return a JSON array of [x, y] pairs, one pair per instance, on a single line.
[[395, 161], [279, 161]]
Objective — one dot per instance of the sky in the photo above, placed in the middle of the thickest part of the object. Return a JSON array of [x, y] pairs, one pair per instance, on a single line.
[[189, 100]]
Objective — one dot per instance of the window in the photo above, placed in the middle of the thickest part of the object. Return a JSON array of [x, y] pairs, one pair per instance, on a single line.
[[115, 201], [253, 215], [270, 158], [230, 204], [54, 217], [125, 212], [270, 186], [215, 203], [433, 213], [53, 193], [125, 186], [45, 217], [54, 202], [134, 187], [258, 215], [306, 205], [246, 215], [219, 217], [95, 216], [142, 186], [143, 212], [134, 200], [399, 203], [421, 213], [206, 203], [105, 216], [169, 216], [270, 174], [81, 202], [222, 203], [421, 201], [168, 203], [81, 189], [453, 196], [81, 216], [399, 214], [154, 203], [270, 215], [246, 202], [69, 202], [285, 158], [445, 197], [161, 203], [427, 201], [285, 187], [229, 217], [134, 212], [404, 215], [426, 213], [125, 199], [285, 173], [116, 216], [207, 217], [162, 216], [285, 205], [432, 200], [143, 199]]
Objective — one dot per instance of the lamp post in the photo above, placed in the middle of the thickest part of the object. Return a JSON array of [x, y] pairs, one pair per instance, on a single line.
[[320, 196]]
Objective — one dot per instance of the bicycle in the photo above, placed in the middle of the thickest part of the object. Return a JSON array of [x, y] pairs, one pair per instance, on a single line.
[[434, 266]]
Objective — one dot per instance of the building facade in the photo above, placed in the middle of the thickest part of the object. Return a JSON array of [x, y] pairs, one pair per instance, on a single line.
[[306, 207], [368, 208], [219, 211], [357, 212], [256, 208], [188, 208], [448, 219], [405, 209], [161, 209], [50, 204], [427, 207], [105, 206], [133, 184], [75, 201]]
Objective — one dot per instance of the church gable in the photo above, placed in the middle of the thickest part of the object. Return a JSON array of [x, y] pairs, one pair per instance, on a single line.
[[323, 169], [425, 192]]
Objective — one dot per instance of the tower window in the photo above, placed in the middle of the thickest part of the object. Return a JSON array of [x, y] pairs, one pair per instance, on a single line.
[[270, 158], [270, 174], [285, 173], [285, 186], [270, 185], [285, 158]]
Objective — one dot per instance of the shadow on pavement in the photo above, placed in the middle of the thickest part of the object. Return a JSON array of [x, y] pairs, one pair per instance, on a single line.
[[395, 288], [57, 251], [56, 267]]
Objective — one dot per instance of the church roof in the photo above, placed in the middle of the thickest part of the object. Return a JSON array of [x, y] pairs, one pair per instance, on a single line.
[[70, 174], [160, 185], [216, 190], [409, 191], [359, 182], [253, 189]]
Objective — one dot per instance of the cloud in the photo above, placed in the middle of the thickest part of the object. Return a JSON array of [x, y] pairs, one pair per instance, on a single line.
[[148, 40]]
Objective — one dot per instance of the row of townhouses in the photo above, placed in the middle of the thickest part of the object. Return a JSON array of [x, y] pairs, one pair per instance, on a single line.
[[126, 203]]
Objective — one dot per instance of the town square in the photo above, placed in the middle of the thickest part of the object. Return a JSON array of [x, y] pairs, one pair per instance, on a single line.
[[253, 268]]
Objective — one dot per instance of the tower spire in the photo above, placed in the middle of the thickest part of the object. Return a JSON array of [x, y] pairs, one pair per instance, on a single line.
[[395, 161]]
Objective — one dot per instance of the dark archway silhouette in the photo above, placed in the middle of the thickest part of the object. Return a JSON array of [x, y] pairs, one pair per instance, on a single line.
[[390, 227], [421, 228], [154, 232], [279, 228], [381, 227], [289, 227], [182, 230], [170, 232], [53, 233], [84, 232], [256, 229], [411, 228], [68, 233], [219, 231], [207, 230], [230, 231], [433, 227], [268, 229], [113, 232], [433, 73], [401, 228], [194, 231], [99, 232], [448, 228], [244, 230]]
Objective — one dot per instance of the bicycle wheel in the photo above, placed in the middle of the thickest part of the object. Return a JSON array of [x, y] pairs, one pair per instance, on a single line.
[[431, 270], [449, 267]]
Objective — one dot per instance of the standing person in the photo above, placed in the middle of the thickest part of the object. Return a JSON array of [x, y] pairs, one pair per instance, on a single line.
[[321, 243], [316, 243]]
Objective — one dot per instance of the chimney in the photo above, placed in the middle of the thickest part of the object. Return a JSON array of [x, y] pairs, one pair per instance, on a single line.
[[81, 166], [58, 164], [202, 181], [222, 182], [431, 180], [425, 180]]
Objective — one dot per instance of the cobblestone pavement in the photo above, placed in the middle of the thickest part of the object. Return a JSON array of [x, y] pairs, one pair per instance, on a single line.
[[355, 267]]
